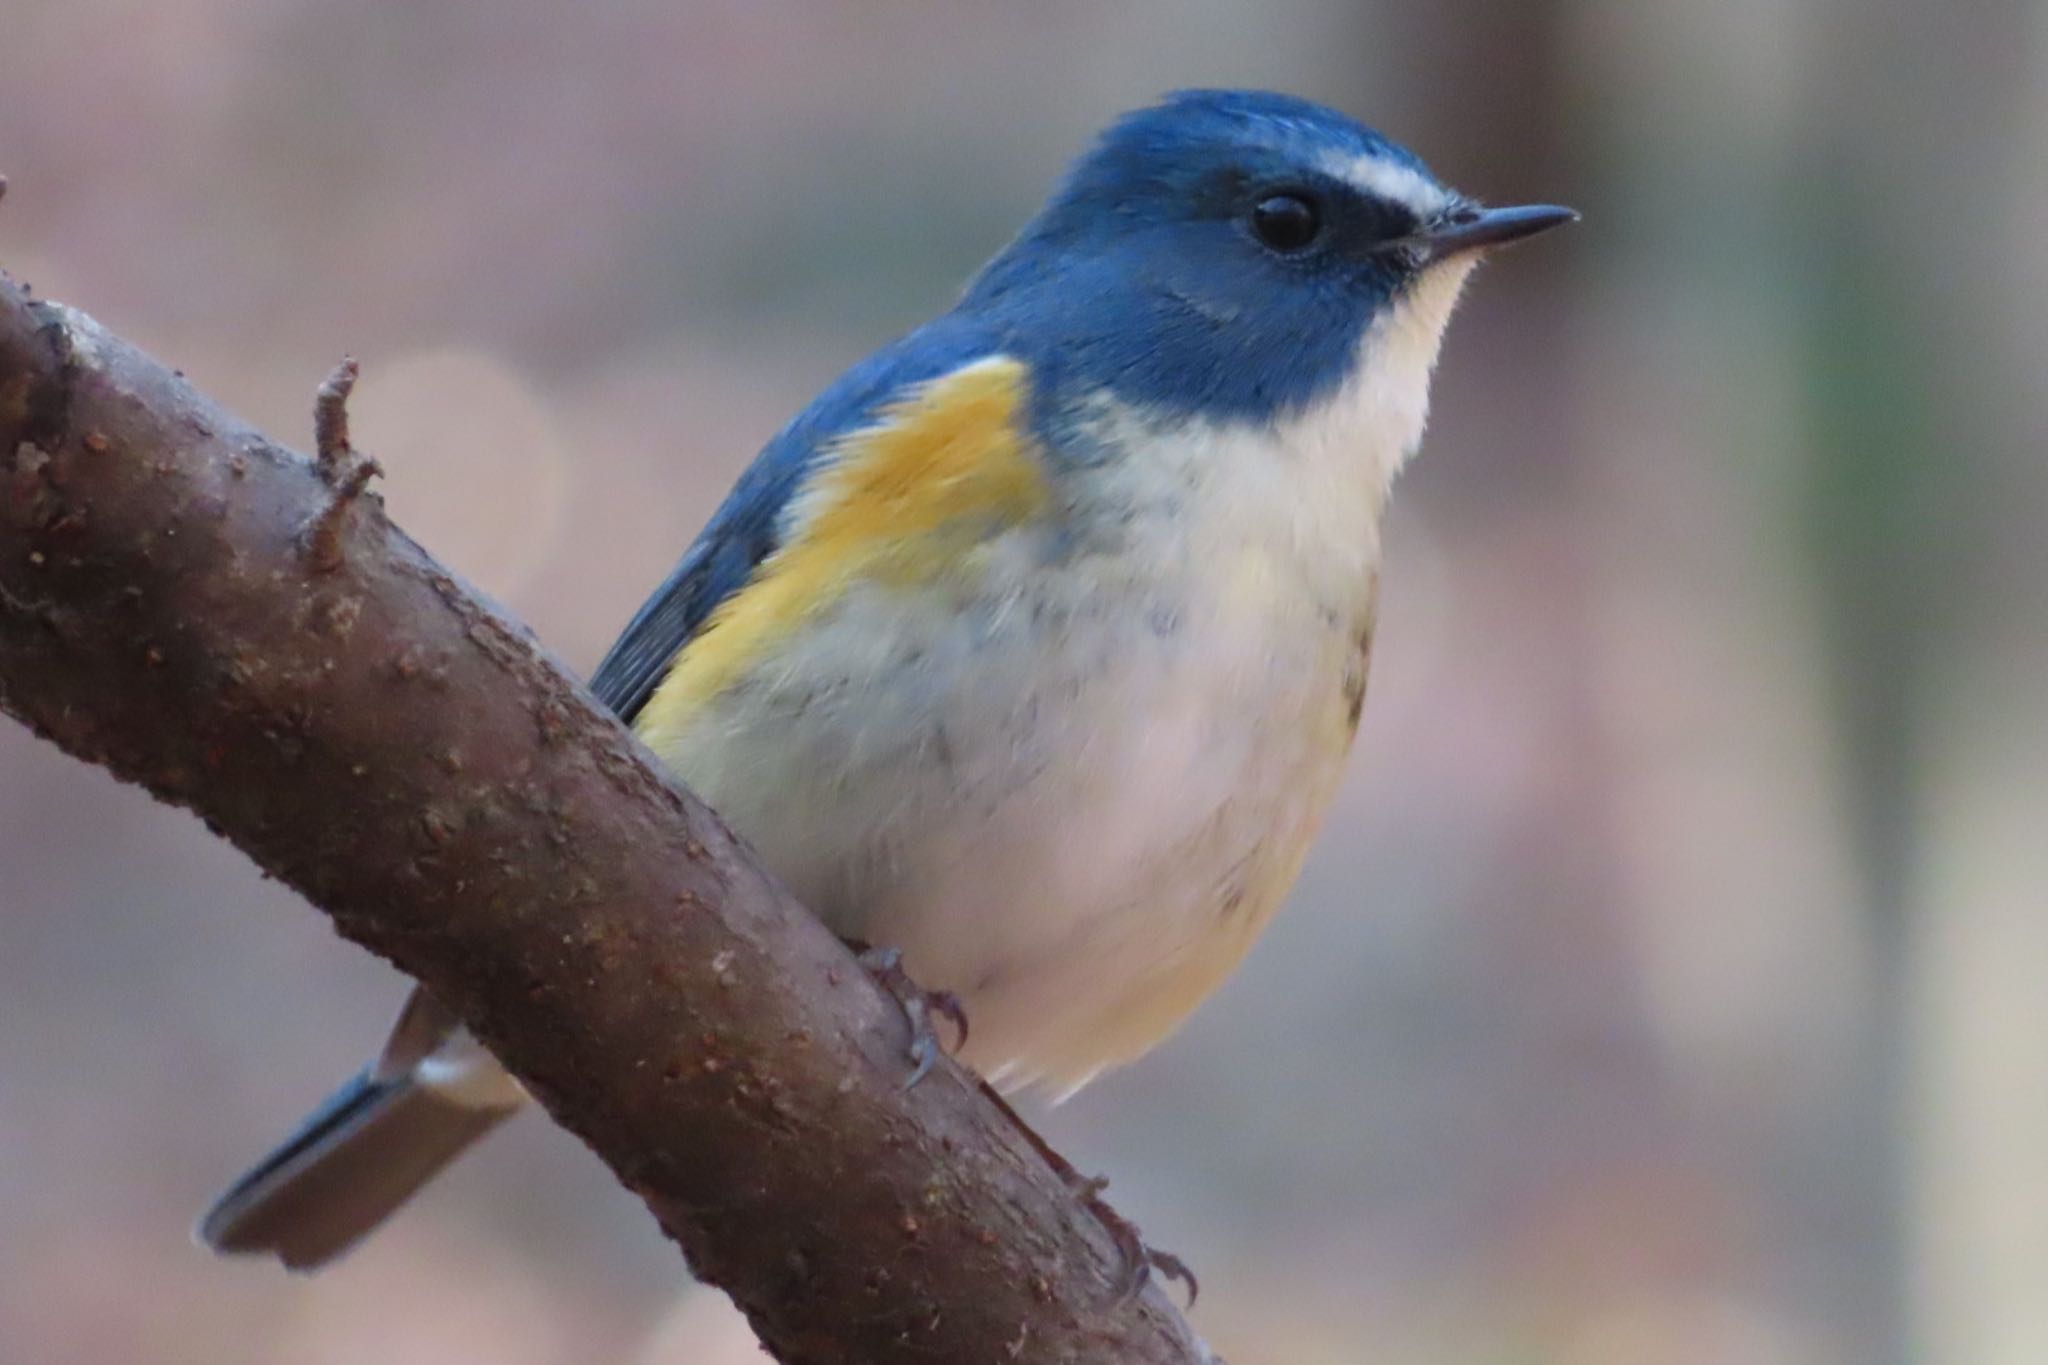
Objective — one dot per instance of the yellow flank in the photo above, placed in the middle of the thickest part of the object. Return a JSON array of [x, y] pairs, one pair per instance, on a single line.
[[908, 500]]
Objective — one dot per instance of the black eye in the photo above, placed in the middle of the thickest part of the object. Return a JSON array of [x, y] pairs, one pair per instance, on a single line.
[[1286, 222]]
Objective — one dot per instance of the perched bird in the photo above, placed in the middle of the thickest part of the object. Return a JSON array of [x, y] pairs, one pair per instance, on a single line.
[[1033, 648]]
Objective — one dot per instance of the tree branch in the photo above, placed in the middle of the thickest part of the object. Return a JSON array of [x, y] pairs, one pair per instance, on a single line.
[[243, 632]]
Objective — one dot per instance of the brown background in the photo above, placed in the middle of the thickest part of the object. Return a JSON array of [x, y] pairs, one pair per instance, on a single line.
[[1667, 986]]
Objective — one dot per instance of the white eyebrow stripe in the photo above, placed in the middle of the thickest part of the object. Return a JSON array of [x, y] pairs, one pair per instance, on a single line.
[[1391, 180]]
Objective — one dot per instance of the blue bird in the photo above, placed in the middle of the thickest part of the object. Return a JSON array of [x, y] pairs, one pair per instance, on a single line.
[[1034, 647]]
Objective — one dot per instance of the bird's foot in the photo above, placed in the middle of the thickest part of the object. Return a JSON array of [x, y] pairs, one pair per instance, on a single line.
[[919, 1005], [1140, 1259]]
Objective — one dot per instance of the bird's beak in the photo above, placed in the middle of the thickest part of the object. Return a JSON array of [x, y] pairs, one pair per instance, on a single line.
[[1469, 227]]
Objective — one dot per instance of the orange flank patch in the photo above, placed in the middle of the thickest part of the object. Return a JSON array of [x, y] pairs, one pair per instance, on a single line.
[[912, 499]]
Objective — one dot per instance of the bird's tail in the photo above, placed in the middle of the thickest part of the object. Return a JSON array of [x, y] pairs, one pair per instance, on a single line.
[[368, 1148]]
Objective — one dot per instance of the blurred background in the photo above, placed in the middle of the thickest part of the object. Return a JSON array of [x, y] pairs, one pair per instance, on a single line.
[[1668, 987]]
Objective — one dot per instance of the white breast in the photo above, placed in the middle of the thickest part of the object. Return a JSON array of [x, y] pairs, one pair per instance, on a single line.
[[1076, 793]]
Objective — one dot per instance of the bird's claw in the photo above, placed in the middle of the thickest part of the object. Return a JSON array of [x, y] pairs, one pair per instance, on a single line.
[[1140, 1260], [919, 1005]]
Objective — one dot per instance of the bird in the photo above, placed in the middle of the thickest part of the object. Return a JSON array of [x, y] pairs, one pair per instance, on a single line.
[[1031, 652]]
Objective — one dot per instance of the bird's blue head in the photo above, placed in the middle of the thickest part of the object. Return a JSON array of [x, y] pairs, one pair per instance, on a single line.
[[1238, 255]]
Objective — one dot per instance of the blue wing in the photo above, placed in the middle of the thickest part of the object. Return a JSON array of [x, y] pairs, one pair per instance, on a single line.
[[747, 528]]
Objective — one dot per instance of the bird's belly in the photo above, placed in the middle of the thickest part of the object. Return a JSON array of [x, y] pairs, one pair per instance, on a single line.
[[1073, 810]]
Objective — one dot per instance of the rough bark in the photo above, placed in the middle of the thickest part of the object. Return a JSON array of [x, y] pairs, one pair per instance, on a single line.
[[241, 630]]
